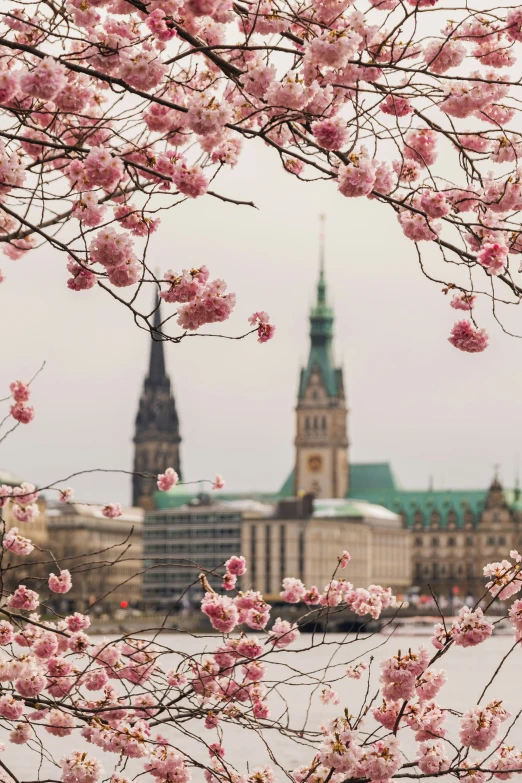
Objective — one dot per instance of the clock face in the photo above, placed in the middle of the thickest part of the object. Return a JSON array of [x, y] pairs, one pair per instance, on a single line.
[[315, 463]]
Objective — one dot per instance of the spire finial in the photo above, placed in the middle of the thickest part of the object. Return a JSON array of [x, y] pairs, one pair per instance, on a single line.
[[321, 287], [322, 226]]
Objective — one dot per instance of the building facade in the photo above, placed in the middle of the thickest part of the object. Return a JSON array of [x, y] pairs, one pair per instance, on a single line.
[[179, 544], [104, 556], [156, 438], [306, 541], [321, 440], [451, 550]]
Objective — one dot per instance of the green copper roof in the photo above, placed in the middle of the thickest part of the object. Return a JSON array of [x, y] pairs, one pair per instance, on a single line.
[[321, 335], [411, 503], [365, 478], [370, 476]]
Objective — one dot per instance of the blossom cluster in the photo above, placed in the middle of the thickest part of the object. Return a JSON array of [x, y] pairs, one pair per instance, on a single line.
[[276, 72]]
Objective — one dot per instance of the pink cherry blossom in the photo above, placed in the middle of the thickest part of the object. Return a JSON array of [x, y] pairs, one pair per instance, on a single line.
[[79, 768], [479, 726], [16, 543], [283, 633], [432, 758], [396, 105], [20, 391], [23, 598], [82, 279], [167, 480], [236, 565], [463, 301], [329, 696], [332, 134], [357, 177], [293, 590], [355, 672], [112, 510], [344, 559], [218, 482], [470, 628], [466, 338], [505, 580], [25, 513], [60, 583], [493, 257], [45, 80], [22, 413], [221, 610]]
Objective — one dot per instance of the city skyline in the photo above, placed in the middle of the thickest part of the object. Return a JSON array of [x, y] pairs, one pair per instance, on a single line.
[[413, 399]]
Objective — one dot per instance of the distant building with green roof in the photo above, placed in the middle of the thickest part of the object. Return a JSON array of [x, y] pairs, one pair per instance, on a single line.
[[453, 531]]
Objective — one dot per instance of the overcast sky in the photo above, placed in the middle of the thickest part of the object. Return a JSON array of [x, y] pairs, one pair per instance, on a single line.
[[414, 400]]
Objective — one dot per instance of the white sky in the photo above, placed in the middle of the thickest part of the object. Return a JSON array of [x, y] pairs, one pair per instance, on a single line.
[[414, 400]]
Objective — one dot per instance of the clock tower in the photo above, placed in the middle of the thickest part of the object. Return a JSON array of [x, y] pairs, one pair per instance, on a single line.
[[321, 441]]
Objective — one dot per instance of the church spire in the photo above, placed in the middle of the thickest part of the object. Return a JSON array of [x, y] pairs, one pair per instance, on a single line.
[[156, 435], [157, 372]]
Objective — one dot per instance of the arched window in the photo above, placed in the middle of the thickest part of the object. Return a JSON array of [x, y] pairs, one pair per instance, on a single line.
[[316, 422]]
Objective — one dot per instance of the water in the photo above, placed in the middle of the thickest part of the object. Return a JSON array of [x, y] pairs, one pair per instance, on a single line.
[[302, 667]]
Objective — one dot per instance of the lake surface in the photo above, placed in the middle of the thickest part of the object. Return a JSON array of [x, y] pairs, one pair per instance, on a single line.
[[297, 702]]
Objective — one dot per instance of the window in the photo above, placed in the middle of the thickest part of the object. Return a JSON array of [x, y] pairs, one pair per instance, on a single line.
[[268, 558], [253, 552], [469, 570], [491, 540], [307, 423], [435, 570], [418, 570], [502, 541], [434, 541], [469, 540], [301, 555], [452, 541], [324, 423], [418, 540], [282, 552], [316, 422]]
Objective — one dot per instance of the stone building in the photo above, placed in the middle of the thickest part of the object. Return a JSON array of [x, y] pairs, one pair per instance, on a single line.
[[104, 556], [304, 539], [156, 438], [451, 549]]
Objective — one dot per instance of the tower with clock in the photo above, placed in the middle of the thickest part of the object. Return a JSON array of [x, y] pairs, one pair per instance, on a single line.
[[321, 441]]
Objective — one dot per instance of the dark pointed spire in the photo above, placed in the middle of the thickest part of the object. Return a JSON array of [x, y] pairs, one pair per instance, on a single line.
[[156, 436], [157, 372]]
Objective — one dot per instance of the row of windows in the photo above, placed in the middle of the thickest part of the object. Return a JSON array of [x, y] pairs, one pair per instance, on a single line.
[[316, 423], [470, 541], [184, 578], [437, 570], [192, 549], [193, 519], [193, 532]]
